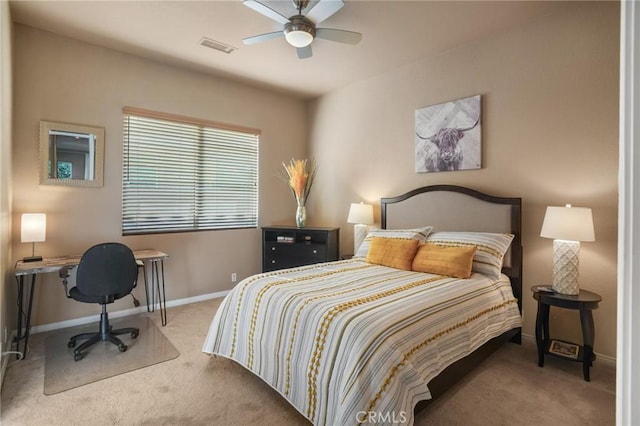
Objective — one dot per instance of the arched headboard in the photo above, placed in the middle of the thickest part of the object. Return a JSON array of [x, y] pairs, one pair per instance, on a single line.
[[456, 208]]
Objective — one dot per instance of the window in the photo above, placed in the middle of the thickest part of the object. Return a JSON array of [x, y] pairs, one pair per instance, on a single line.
[[181, 174]]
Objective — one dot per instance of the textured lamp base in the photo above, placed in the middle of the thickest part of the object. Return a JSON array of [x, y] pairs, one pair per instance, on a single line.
[[566, 259], [359, 234]]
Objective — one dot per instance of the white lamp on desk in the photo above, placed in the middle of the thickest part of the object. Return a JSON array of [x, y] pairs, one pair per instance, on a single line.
[[33, 230], [567, 226], [361, 215]]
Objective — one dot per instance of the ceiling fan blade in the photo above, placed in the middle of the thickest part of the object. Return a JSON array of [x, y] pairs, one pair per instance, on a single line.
[[341, 36], [266, 11], [262, 37], [324, 9], [304, 52]]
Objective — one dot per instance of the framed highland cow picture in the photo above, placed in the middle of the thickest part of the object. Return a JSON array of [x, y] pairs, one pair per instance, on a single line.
[[448, 136]]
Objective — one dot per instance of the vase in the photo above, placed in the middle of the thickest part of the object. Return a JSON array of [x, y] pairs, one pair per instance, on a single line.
[[301, 216]]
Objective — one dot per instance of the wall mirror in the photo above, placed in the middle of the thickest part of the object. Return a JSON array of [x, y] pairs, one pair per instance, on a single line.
[[71, 154]]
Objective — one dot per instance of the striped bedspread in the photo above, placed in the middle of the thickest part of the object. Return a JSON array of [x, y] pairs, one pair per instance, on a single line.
[[349, 342]]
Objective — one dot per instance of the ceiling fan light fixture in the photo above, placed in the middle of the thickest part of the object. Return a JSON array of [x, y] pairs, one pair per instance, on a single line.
[[299, 32], [299, 38]]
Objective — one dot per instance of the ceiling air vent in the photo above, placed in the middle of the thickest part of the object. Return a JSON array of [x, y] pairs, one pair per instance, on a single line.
[[207, 42]]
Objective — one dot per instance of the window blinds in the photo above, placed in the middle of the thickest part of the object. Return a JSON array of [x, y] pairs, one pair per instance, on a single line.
[[186, 176]]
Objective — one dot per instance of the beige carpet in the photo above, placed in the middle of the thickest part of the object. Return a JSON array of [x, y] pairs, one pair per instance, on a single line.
[[194, 389], [102, 359]]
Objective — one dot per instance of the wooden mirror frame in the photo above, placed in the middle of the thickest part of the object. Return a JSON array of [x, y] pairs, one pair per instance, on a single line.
[[97, 181]]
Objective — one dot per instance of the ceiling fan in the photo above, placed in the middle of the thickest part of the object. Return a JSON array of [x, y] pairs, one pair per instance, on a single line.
[[300, 30]]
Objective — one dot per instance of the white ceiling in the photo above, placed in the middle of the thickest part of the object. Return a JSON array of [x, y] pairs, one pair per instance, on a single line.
[[394, 33]]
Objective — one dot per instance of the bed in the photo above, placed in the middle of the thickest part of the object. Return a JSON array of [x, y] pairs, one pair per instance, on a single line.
[[356, 342]]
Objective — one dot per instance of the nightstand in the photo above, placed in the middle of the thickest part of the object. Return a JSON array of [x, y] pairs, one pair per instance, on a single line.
[[585, 302]]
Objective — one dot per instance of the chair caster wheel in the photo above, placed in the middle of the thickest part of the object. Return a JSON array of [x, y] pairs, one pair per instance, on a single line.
[[71, 344], [134, 334], [77, 357], [122, 347]]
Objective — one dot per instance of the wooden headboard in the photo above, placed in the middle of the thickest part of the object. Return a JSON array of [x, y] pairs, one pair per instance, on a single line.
[[456, 208]]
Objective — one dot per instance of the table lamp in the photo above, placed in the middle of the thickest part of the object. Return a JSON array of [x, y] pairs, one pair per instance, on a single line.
[[361, 215], [567, 226], [33, 230]]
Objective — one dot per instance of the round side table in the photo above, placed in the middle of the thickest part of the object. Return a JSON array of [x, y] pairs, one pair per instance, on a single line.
[[585, 302]]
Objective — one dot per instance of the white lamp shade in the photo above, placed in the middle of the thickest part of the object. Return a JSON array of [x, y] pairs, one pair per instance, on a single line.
[[34, 227], [360, 213], [568, 223]]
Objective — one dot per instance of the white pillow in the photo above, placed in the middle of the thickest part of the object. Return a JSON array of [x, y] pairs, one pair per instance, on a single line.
[[419, 234], [490, 248]]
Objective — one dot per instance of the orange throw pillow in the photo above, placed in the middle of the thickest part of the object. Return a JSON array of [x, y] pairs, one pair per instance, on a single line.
[[393, 252], [450, 261]]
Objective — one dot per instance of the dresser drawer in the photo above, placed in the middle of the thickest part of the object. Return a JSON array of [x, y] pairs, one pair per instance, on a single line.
[[313, 252], [279, 256]]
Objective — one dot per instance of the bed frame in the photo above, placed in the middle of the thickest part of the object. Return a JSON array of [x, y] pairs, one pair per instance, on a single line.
[[456, 208]]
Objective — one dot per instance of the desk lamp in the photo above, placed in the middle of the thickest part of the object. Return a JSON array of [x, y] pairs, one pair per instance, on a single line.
[[361, 215], [567, 226], [34, 229]]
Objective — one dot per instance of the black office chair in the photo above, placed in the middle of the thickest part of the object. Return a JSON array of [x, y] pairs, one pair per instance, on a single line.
[[106, 272]]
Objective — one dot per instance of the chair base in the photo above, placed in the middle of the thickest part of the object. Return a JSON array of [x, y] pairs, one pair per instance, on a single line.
[[106, 334]]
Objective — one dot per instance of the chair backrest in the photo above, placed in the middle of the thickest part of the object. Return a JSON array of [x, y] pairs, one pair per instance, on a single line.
[[107, 269]]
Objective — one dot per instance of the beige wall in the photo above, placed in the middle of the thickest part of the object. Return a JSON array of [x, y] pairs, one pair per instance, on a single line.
[[60, 79], [550, 131]]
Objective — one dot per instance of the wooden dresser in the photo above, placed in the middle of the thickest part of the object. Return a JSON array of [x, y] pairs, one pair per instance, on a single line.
[[287, 247]]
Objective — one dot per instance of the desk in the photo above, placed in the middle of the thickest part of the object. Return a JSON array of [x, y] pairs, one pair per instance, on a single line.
[[153, 258]]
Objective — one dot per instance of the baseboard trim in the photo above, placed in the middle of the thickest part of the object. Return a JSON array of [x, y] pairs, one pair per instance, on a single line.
[[125, 312], [605, 359]]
